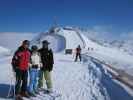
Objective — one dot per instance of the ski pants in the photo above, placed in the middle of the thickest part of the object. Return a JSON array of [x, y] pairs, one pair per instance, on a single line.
[[21, 81], [47, 76], [78, 55], [33, 80]]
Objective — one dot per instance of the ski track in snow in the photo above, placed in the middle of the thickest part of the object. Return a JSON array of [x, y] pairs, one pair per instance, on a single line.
[[113, 89], [80, 83]]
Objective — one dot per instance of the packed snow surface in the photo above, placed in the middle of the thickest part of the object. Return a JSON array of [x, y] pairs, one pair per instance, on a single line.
[[86, 80]]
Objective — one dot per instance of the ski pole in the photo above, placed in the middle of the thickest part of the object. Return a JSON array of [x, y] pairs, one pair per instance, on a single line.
[[9, 91], [10, 88]]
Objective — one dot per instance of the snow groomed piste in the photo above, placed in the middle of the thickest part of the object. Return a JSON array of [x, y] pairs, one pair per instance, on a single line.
[[86, 80]]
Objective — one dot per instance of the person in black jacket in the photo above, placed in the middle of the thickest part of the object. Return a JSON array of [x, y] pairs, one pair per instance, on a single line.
[[78, 53], [47, 62]]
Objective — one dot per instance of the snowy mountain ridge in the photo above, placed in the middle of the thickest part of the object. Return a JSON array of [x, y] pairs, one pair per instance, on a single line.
[[101, 36]]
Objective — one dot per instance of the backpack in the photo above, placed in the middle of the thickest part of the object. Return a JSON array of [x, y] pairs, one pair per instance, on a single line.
[[15, 61]]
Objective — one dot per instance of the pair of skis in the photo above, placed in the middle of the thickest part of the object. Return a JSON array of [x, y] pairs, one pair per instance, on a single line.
[[41, 96], [45, 96], [52, 95]]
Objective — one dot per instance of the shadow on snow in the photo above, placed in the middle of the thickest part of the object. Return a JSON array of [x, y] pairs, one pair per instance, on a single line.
[[114, 90], [4, 88]]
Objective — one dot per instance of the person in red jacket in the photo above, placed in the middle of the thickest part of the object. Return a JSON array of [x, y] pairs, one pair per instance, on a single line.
[[20, 63], [78, 53]]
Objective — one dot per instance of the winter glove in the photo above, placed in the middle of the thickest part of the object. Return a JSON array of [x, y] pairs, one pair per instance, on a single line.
[[29, 64], [40, 65]]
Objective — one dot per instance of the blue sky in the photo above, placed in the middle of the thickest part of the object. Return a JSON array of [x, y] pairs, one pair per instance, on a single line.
[[38, 15]]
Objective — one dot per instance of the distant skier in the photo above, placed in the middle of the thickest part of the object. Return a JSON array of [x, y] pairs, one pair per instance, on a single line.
[[20, 63], [35, 65], [78, 53], [47, 61]]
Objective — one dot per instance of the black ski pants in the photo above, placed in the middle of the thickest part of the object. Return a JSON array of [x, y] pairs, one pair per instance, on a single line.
[[78, 55], [21, 81]]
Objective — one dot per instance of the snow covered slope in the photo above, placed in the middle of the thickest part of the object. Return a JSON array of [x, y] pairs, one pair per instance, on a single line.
[[72, 37], [64, 38], [77, 80], [119, 59], [2, 49], [57, 42], [4, 52], [69, 38]]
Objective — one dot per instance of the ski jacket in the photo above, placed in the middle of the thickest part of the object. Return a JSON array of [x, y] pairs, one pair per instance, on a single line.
[[35, 59], [47, 59], [21, 58], [78, 50]]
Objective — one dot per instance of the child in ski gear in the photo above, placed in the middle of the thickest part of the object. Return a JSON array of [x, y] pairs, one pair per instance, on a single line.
[[20, 63], [35, 65], [47, 61], [78, 53]]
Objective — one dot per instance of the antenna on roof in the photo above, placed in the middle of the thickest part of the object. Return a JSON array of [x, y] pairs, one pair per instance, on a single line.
[[55, 22], [54, 26]]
